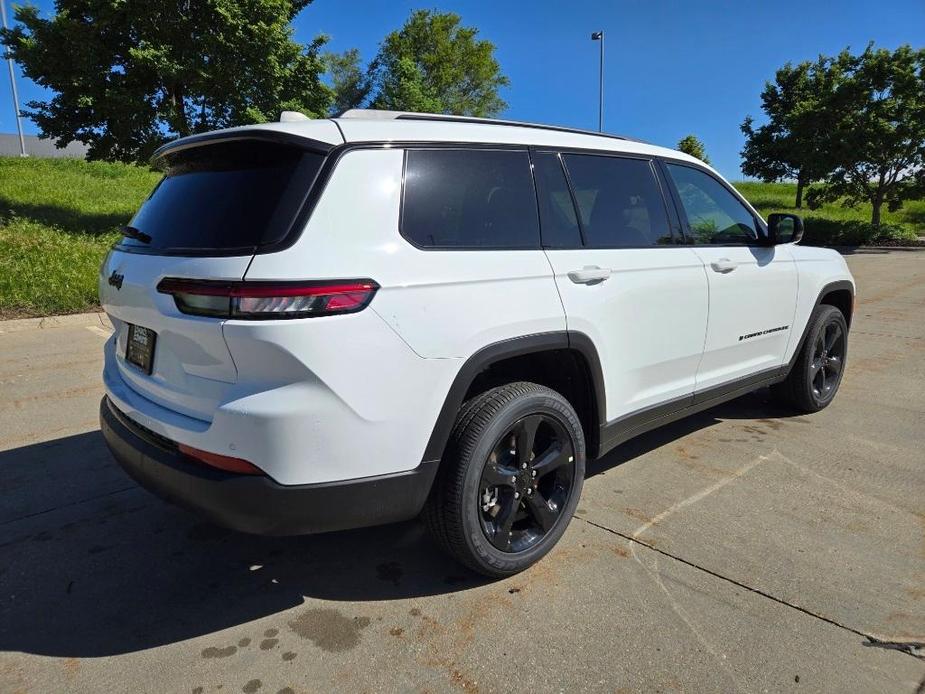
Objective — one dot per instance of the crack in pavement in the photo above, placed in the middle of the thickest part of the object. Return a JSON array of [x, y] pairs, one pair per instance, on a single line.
[[656, 574], [679, 610], [912, 648]]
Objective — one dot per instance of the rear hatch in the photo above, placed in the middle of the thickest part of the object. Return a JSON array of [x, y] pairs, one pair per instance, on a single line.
[[218, 204]]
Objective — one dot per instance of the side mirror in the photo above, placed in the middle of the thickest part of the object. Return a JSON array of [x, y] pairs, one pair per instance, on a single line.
[[784, 228]]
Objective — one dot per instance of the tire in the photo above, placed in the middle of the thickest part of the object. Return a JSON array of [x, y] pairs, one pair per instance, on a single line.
[[472, 512], [816, 375]]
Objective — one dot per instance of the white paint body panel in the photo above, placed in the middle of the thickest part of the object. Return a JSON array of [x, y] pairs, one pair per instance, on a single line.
[[444, 304], [816, 268], [317, 400], [647, 320], [352, 396], [759, 294], [193, 370]]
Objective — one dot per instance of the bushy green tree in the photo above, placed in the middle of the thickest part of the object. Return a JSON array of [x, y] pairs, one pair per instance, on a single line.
[[793, 142], [691, 144], [434, 64], [350, 82], [127, 75], [877, 139]]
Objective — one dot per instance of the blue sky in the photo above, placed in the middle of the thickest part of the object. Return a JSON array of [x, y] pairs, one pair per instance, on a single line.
[[671, 68]]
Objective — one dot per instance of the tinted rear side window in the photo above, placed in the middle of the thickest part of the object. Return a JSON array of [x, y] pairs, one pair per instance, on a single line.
[[619, 201], [557, 211], [469, 198], [228, 196]]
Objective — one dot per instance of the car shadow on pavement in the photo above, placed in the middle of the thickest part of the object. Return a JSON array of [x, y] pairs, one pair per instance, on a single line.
[[92, 565], [758, 405]]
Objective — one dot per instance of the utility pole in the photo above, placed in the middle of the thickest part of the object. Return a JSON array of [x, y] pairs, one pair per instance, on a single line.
[[596, 36], [9, 62]]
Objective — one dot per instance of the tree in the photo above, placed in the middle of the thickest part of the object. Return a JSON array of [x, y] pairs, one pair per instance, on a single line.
[[350, 83], [878, 139], [433, 64], [128, 75], [791, 144], [691, 144]]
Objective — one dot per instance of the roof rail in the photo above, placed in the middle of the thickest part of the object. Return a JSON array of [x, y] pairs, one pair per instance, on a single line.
[[376, 114]]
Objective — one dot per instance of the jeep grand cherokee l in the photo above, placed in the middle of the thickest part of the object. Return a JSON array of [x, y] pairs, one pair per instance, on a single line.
[[326, 324]]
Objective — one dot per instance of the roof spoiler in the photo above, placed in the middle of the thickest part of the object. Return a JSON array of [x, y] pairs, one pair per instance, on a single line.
[[246, 133]]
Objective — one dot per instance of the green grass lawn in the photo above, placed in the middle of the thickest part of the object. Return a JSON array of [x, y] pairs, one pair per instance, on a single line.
[[833, 224], [58, 217]]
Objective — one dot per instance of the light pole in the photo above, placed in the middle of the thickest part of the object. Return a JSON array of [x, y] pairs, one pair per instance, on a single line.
[[9, 62], [596, 36]]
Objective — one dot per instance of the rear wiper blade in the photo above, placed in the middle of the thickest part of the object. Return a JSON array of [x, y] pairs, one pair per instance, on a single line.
[[134, 233]]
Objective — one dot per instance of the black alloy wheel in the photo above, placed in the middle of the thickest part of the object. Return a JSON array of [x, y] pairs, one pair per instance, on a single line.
[[819, 366], [510, 479], [526, 482], [828, 361]]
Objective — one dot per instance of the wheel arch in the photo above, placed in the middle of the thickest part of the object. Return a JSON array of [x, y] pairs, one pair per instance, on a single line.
[[528, 358], [839, 294]]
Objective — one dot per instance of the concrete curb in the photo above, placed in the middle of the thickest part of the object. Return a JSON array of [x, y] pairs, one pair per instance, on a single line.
[[78, 320]]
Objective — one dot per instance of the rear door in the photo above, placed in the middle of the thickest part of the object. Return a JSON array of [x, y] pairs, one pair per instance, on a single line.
[[216, 205], [624, 279], [753, 286]]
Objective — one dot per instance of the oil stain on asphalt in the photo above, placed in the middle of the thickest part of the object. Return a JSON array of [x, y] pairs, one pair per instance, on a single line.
[[213, 652], [329, 629]]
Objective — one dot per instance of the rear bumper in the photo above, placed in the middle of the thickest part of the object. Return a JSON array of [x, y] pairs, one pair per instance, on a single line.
[[257, 504]]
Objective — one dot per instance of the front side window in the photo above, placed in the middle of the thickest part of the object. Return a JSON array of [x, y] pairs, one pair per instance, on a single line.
[[469, 198], [714, 215], [619, 201]]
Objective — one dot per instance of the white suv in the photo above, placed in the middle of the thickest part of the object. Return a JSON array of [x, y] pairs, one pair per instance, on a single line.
[[324, 324]]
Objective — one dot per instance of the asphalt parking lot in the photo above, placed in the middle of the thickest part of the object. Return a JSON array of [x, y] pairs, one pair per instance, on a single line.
[[744, 549]]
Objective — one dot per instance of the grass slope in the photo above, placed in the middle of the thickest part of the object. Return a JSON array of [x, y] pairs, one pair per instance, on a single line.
[[58, 217], [833, 224]]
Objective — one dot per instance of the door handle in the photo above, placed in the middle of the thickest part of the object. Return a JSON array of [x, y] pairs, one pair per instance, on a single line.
[[589, 274], [723, 265]]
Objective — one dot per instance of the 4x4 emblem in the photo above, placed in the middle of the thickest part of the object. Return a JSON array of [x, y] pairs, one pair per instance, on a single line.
[[115, 279]]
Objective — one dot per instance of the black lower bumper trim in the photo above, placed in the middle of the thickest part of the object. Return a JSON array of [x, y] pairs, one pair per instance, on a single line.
[[257, 504]]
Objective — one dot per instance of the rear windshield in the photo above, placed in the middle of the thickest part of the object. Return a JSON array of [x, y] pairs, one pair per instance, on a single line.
[[225, 197]]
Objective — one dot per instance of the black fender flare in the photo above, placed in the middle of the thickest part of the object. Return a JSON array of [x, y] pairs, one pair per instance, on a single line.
[[827, 289], [505, 349]]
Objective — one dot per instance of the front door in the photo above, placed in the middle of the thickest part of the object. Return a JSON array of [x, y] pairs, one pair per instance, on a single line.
[[753, 286]]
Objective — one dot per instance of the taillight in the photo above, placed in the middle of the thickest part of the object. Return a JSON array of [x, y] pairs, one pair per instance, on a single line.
[[222, 462], [268, 300]]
